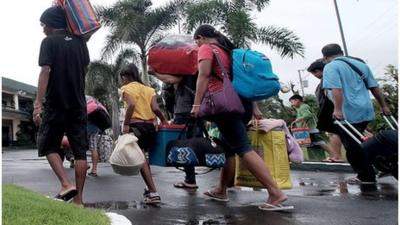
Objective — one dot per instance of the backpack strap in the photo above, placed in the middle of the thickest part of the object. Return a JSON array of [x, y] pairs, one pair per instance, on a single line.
[[355, 69]]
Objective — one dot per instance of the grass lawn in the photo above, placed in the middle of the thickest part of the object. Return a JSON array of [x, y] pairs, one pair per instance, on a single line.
[[21, 206]]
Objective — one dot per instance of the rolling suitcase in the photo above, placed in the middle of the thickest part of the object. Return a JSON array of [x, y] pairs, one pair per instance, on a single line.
[[381, 149]]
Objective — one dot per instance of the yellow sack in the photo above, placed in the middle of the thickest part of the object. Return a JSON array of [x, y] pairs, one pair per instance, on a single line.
[[272, 148]]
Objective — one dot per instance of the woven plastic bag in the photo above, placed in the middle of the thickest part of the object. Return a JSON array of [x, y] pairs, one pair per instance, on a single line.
[[127, 158]]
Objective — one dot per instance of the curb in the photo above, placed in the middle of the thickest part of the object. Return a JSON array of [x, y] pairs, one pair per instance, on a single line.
[[321, 166], [118, 219]]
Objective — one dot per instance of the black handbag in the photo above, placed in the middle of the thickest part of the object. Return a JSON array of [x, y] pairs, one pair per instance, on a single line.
[[196, 151]]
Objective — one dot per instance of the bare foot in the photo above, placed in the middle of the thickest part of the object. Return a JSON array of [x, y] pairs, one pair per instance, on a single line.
[[276, 198], [67, 188]]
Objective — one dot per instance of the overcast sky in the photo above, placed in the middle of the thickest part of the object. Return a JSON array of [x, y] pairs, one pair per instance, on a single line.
[[370, 26]]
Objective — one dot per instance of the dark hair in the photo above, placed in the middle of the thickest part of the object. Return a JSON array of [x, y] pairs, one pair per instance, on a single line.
[[54, 17], [296, 97], [316, 65], [209, 31], [131, 71], [331, 50]]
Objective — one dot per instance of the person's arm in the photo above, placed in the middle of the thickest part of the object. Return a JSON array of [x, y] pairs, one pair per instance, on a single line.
[[42, 87], [129, 111], [156, 109], [377, 93], [168, 78], [256, 111], [201, 84], [338, 102]]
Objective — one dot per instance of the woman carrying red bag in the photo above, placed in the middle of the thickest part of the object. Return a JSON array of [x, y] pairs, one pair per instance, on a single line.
[[230, 125]]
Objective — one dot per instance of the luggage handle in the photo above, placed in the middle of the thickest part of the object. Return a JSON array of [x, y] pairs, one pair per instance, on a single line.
[[390, 122], [361, 136]]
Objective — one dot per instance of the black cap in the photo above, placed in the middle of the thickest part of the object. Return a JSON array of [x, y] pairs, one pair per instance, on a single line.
[[54, 17]]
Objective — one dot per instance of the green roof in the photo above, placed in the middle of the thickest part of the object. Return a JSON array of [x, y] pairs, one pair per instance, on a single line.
[[13, 85]]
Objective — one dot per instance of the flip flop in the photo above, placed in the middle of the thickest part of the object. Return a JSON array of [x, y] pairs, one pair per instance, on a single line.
[[185, 185], [67, 195], [269, 207], [330, 160], [92, 174], [213, 196]]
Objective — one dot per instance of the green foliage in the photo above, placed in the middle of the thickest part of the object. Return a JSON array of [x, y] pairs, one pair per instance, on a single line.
[[274, 108], [234, 18], [21, 206], [26, 136], [311, 100], [389, 86]]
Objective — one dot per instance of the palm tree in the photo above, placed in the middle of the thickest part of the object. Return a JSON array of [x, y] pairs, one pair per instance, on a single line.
[[234, 18], [102, 83], [136, 23]]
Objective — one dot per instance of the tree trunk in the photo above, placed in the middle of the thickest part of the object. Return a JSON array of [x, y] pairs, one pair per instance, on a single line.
[[145, 76], [115, 114]]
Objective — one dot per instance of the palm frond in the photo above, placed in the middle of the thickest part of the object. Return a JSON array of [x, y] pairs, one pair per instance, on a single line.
[[212, 12], [282, 40]]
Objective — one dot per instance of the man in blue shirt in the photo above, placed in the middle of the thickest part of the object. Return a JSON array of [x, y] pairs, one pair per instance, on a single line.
[[349, 93]]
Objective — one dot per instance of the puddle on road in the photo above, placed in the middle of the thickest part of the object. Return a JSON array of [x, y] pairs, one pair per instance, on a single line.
[[117, 205], [311, 187], [209, 220]]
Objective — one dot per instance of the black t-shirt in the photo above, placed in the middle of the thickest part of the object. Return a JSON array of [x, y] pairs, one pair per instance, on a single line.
[[67, 57]]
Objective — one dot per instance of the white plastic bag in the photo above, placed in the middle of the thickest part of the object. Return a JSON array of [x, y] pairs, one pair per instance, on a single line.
[[127, 158]]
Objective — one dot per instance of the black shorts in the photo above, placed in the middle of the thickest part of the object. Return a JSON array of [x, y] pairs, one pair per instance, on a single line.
[[55, 123], [146, 134]]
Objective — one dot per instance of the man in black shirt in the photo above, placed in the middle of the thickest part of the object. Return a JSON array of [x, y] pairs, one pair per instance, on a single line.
[[60, 105]]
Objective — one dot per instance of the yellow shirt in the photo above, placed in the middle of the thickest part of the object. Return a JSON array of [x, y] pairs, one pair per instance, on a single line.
[[142, 96]]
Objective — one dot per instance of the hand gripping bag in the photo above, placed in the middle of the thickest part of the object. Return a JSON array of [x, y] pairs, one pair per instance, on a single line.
[[127, 158], [253, 78], [174, 54]]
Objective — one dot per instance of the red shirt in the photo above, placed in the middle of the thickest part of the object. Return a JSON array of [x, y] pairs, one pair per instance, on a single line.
[[205, 52]]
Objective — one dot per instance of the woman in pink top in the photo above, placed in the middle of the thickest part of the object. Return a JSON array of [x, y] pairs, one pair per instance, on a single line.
[[231, 126]]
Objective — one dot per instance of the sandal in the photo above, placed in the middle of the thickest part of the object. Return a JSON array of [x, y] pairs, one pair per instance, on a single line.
[[185, 185], [151, 197], [67, 195], [214, 196], [279, 207], [92, 174], [330, 160]]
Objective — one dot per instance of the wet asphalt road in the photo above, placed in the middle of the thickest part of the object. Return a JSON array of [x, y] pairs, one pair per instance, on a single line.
[[318, 197]]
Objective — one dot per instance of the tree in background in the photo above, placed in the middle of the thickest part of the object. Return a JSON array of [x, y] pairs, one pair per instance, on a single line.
[[102, 82], [234, 18], [135, 23], [389, 85]]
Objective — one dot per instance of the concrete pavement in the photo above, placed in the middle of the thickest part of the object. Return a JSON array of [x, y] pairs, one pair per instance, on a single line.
[[318, 197]]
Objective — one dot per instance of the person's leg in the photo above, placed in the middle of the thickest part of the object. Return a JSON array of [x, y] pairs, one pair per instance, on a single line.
[[147, 177], [226, 176], [58, 168], [76, 123], [355, 155], [234, 134], [336, 146], [95, 160], [253, 162], [80, 177]]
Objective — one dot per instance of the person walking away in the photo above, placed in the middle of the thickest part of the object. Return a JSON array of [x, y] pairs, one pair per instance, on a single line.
[[184, 96], [94, 139], [231, 126], [349, 92], [324, 118], [60, 104], [140, 115]]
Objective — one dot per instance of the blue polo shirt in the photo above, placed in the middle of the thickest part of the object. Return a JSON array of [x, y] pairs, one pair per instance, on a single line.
[[357, 105]]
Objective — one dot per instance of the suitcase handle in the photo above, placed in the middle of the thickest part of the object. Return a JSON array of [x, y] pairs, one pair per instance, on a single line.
[[392, 121], [359, 139]]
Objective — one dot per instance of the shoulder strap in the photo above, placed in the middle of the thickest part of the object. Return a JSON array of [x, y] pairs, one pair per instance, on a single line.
[[219, 62], [358, 71]]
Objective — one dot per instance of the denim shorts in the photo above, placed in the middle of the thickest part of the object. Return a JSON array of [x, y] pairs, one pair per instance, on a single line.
[[233, 132], [55, 123]]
